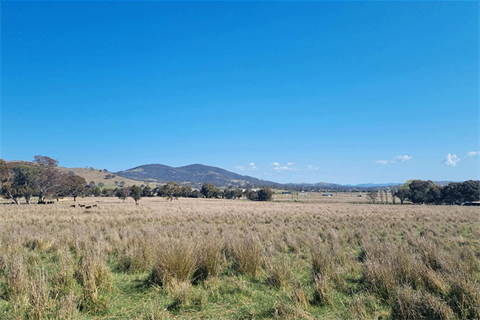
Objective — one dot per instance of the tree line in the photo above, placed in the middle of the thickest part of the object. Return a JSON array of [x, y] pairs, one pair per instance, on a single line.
[[43, 179], [427, 192]]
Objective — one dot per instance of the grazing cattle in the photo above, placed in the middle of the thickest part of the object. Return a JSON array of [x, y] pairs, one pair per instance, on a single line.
[[41, 202], [72, 206], [81, 205], [88, 207], [94, 205]]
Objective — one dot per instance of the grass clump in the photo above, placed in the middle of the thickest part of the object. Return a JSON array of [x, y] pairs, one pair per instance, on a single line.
[[412, 304], [247, 254], [177, 262], [94, 275]]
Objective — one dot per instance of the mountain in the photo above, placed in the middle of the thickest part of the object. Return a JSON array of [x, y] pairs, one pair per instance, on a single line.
[[320, 185], [195, 175], [374, 185]]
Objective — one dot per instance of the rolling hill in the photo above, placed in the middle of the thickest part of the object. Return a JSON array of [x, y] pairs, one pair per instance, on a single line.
[[195, 175]]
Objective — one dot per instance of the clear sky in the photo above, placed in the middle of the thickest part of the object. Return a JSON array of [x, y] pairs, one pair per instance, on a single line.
[[342, 92]]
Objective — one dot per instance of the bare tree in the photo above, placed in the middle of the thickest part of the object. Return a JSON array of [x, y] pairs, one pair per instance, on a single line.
[[381, 195], [393, 192], [372, 196]]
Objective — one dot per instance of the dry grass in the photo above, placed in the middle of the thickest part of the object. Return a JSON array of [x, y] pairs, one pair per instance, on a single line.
[[209, 258]]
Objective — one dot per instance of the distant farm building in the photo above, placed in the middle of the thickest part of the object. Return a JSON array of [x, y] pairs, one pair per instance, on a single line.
[[327, 194], [472, 203], [287, 192]]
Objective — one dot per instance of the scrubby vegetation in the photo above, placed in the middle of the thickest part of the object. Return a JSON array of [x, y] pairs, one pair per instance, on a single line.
[[202, 258]]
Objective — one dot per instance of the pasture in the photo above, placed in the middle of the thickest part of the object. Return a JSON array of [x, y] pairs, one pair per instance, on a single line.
[[315, 258]]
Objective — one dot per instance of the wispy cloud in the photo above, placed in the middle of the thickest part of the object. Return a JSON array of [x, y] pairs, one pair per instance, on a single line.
[[279, 168], [251, 167], [451, 160], [473, 153], [312, 167], [399, 158], [402, 158]]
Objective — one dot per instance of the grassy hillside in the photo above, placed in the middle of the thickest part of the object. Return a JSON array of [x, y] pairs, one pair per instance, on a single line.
[[98, 175]]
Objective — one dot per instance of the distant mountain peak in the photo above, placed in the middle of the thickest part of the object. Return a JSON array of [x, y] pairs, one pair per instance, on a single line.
[[193, 174]]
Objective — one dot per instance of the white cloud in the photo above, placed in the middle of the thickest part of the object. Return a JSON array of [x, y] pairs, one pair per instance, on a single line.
[[451, 160], [312, 167], [402, 158], [289, 167], [251, 167], [473, 153], [399, 158]]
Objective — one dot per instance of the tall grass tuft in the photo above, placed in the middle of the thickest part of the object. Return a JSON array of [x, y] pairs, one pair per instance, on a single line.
[[63, 281], [17, 285], [94, 275], [40, 303], [177, 261], [279, 272], [247, 253], [68, 307], [209, 258], [464, 298], [411, 304]]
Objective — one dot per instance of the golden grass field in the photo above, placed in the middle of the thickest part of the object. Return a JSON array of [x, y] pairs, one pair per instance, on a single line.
[[316, 258]]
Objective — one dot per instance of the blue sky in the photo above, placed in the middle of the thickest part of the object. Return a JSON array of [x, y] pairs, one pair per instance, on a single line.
[[343, 92]]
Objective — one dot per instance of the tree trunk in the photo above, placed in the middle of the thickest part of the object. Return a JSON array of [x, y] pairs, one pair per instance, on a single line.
[[74, 198], [15, 199]]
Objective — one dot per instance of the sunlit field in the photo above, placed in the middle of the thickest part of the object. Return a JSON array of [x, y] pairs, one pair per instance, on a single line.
[[312, 258]]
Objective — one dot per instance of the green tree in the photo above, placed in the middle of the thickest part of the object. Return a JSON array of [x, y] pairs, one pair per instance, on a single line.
[[229, 194], [238, 193], [49, 178], [265, 194], [186, 191], [122, 193], [147, 192], [170, 190], [208, 190], [4, 172], [74, 186], [107, 192], [136, 193], [22, 182], [251, 194], [96, 192], [402, 192]]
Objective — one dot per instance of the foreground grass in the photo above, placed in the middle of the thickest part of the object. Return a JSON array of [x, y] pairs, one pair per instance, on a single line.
[[211, 259]]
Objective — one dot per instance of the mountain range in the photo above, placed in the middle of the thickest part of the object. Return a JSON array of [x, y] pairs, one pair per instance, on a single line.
[[198, 174], [195, 175]]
